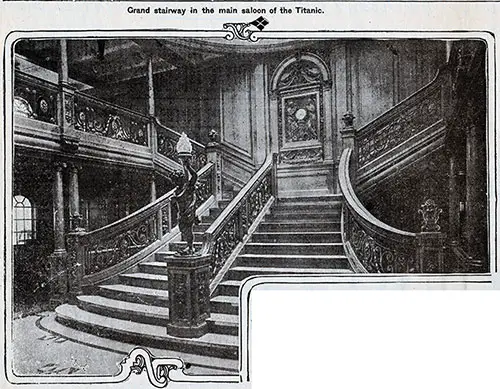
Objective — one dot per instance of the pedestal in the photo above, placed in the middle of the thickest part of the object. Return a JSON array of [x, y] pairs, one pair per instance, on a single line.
[[430, 252], [188, 295]]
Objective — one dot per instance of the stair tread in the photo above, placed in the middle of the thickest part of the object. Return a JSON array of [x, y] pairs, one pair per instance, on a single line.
[[141, 329], [293, 256], [288, 270], [233, 300], [225, 318], [49, 323], [291, 244], [272, 233], [148, 276], [136, 290], [155, 264], [144, 309]]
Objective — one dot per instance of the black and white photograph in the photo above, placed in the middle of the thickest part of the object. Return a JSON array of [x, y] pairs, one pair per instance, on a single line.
[[153, 178]]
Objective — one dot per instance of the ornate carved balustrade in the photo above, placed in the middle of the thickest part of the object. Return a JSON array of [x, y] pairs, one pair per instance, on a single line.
[[412, 119], [99, 117], [233, 223], [91, 252], [375, 247], [167, 140], [35, 98]]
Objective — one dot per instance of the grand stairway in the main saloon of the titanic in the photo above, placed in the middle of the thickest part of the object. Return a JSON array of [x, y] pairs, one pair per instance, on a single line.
[[299, 236]]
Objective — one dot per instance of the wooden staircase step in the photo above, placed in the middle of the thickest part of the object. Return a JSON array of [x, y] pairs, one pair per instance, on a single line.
[[316, 214], [229, 288], [199, 363], [154, 267], [310, 199], [147, 335], [303, 237], [145, 280], [294, 261], [225, 304], [334, 206], [241, 272], [299, 226], [126, 310], [135, 294], [294, 248]]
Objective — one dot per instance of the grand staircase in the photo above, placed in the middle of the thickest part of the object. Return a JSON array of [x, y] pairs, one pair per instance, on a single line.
[[300, 236]]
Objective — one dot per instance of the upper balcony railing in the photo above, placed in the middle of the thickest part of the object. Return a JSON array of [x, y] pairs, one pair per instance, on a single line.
[[35, 98], [42, 100], [95, 116]]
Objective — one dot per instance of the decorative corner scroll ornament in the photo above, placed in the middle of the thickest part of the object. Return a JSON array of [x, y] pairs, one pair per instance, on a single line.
[[157, 369], [430, 214], [242, 30]]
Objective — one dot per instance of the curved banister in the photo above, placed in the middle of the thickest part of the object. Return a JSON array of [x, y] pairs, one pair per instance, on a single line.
[[355, 204], [371, 245], [97, 250], [130, 219]]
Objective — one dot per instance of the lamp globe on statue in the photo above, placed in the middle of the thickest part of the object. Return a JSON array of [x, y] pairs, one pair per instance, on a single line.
[[184, 148]]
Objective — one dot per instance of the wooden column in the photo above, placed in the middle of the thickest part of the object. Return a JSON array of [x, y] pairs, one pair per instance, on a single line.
[[58, 209], [74, 199], [453, 199], [475, 215], [151, 108], [66, 102]]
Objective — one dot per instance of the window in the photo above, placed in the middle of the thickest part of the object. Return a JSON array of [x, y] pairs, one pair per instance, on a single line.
[[24, 220]]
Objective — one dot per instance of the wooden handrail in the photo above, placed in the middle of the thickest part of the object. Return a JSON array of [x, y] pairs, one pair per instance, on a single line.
[[176, 134], [118, 241], [107, 104], [355, 204], [233, 224], [235, 203], [440, 77]]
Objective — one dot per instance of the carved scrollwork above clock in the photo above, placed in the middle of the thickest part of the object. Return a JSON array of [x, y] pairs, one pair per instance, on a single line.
[[299, 86]]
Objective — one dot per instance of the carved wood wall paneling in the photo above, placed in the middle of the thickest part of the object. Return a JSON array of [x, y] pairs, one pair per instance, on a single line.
[[236, 110]]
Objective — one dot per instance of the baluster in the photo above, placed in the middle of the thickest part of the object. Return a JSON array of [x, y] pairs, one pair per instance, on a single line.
[[274, 176]]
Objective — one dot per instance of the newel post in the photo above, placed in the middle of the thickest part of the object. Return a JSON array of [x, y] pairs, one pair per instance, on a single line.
[[348, 134], [430, 242], [188, 271], [75, 264], [214, 157]]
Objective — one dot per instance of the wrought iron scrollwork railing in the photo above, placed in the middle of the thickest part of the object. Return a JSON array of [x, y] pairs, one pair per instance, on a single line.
[[378, 247], [233, 223], [35, 98], [167, 140], [95, 116], [116, 242], [418, 112]]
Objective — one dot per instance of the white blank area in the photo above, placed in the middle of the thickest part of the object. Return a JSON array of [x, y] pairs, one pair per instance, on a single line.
[[374, 339]]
